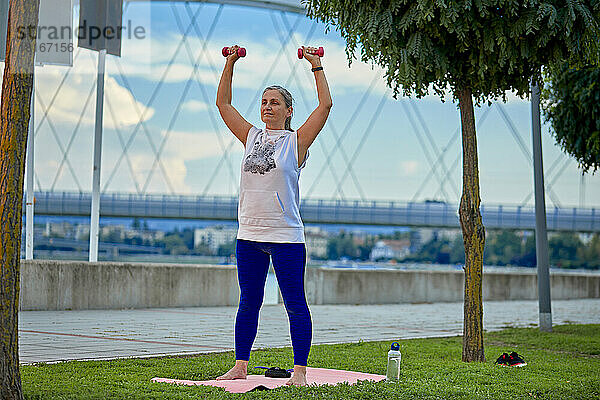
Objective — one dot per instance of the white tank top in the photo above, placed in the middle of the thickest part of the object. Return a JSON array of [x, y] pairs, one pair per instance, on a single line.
[[269, 204]]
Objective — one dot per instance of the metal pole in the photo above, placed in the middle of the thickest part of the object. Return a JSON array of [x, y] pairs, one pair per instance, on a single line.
[[541, 236], [95, 215], [582, 190], [29, 204]]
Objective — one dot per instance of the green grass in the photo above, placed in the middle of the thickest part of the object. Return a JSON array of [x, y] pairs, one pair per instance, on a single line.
[[564, 364]]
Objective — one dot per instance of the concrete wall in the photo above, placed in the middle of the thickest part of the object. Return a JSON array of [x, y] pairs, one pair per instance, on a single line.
[[343, 286], [71, 285]]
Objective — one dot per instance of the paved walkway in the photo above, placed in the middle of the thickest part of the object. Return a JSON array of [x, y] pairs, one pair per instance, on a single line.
[[51, 336]]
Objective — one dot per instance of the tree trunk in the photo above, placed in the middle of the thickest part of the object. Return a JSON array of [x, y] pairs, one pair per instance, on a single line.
[[14, 123], [473, 233]]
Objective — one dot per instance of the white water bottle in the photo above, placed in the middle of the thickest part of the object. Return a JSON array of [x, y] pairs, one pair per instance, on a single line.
[[393, 363]]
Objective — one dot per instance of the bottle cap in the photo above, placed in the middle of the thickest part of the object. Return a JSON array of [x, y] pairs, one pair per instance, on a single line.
[[395, 346]]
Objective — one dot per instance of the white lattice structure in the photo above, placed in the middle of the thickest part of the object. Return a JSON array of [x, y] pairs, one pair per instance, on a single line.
[[163, 134]]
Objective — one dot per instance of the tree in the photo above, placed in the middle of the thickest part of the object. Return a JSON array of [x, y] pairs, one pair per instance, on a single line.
[[528, 257], [227, 249], [188, 238], [431, 250], [364, 250], [457, 251], [502, 248], [566, 250], [174, 244], [341, 246], [571, 103], [136, 224], [592, 253], [17, 85], [477, 50]]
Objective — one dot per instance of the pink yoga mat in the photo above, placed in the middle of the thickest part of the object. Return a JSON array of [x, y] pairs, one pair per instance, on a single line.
[[314, 376]]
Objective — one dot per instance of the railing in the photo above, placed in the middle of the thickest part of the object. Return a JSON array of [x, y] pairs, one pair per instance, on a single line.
[[376, 212]]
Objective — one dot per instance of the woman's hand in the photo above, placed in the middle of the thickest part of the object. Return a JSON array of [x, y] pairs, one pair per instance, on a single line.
[[313, 59], [308, 132], [232, 118], [233, 57]]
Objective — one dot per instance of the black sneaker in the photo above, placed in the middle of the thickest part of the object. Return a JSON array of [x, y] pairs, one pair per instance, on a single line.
[[515, 360], [502, 360]]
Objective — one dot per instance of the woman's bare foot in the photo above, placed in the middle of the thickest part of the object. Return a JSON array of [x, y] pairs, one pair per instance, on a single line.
[[298, 377], [239, 371]]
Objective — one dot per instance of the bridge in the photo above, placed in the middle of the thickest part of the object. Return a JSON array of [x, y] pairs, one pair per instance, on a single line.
[[389, 213]]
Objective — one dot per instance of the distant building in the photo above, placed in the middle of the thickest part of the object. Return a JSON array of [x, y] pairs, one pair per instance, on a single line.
[[423, 235], [586, 237], [112, 233], [59, 229], [214, 237], [118, 233], [82, 232], [316, 241], [388, 249], [145, 235]]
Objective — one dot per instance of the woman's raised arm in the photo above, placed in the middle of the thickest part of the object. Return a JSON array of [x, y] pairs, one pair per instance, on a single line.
[[308, 132], [232, 118]]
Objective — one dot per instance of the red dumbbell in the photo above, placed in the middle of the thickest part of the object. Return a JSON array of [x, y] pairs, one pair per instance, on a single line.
[[320, 52], [241, 52]]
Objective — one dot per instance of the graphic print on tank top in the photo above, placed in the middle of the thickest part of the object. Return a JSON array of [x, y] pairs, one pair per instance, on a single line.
[[260, 160]]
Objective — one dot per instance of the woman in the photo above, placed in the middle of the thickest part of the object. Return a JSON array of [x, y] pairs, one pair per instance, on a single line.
[[270, 226]]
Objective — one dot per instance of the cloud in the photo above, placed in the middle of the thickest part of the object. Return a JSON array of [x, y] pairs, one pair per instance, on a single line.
[[180, 147], [263, 58], [511, 97], [194, 145], [123, 111], [409, 167], [194, 105]]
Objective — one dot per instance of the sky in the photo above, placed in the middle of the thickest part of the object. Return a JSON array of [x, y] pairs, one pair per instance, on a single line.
[[160, 95]]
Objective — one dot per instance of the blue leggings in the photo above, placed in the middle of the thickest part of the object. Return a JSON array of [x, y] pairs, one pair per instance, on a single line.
[[289, 261]]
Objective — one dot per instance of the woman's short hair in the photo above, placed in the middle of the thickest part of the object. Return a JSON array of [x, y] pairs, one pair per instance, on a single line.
[[287, 97]]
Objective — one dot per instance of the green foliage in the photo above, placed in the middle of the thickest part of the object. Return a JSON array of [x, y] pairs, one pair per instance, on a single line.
[[509, 248], [566, 250], [571, 103], [561, 365], [179, 242], [436, 250], [175, 244], [565, 246], [188, 238], [113, 236], [227, 249], [457, 251], [342, 246], [570, 339], [364, 250], [502, 248], [527, 258], [136, 224], [488, 46], [591, 253]]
